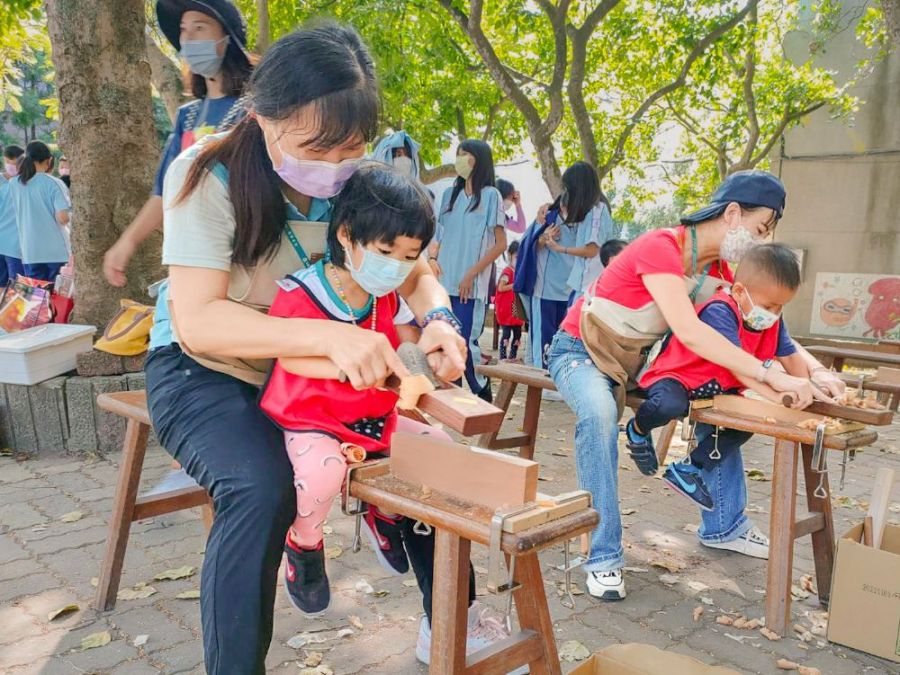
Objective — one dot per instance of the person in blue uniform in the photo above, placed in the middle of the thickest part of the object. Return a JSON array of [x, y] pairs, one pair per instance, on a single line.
[[10, 250]]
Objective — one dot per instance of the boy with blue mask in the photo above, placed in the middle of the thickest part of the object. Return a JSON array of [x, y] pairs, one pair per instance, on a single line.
[[749, 315]]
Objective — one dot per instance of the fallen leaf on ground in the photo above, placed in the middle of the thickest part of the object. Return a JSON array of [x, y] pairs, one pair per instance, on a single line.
[[333, 552], [806, 583], [627, 512], [637, 570], [809, 670], [381, 593], [573, 588], [62, 611], [303, 639], [691, 528], [6, 452], [705, 600], [697, 613], [410, 583], [140, 640], [345, 632], [798, 592], [95, 640], [136, 593], [723, 620], [698, 586], [313, 659], [756, 474], [193, 594], [95, 581], [573, 650], [355, 622], [177, 573], [784, 664], [669, 578], [364, 586], [72, 516], [669, 565], [769, 634]]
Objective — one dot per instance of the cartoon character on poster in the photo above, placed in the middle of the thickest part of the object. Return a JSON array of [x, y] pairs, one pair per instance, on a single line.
[[883, 314], [857, 306]]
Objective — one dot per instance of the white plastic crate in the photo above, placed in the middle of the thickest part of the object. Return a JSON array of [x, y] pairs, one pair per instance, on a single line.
[[37, 354]]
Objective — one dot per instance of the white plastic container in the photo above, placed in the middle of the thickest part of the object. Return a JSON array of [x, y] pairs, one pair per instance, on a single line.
[[37, 354]]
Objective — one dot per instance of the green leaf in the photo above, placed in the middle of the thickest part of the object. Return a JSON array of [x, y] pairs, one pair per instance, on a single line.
[[61, 612]]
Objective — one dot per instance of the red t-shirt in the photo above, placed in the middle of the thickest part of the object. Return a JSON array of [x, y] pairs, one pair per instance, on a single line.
[[677, 362], [504, 300], [655, 252], [295, 403]]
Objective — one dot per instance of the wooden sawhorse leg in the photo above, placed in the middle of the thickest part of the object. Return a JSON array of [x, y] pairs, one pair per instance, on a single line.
[[535, 644], [133, 450], [781, 537], [821, 525], [527, 439]]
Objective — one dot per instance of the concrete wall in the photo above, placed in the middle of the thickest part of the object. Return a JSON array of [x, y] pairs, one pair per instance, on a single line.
[[843, 177]]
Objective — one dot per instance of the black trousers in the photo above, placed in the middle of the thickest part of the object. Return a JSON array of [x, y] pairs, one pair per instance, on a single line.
[[211, 424]]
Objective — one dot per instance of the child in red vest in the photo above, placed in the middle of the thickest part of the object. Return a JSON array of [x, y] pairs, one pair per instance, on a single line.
[[749, 315], [380, 225], [504, 304]]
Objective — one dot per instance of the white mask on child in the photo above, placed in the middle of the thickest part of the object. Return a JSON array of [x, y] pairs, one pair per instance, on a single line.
[[758, 318]]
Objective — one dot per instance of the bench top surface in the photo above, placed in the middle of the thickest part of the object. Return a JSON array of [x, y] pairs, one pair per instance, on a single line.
[[129, 404], [855, 354]]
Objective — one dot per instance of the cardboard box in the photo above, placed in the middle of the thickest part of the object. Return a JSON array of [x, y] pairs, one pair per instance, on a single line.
[[864, 612], [640, 659]]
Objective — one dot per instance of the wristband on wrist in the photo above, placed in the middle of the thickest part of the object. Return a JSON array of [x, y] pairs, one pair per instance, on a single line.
[[442, 314], [764, 370]]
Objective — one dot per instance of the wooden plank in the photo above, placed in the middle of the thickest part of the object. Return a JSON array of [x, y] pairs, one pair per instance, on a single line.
[[169, 502], [506, 655], [530, 420], [878, 504], [888, 375], [133, 450], [767, 411], [128, 404], [449, 603], [503, 400], [808, 525], [518, 373], [461, 410], [867, 531], [479, 476], [841, 354], [781, 537], [544, 514], [822, 538], [531, 606], [879, 418]]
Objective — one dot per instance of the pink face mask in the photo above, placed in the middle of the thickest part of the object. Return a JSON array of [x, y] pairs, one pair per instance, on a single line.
[[11, 169], [63, 172], [314, 178]]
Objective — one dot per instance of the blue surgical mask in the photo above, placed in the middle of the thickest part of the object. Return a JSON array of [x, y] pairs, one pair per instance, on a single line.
[[202, 56], [378, 274], [758, 318]]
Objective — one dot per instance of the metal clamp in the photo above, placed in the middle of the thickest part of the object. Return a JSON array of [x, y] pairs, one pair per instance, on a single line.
[[819, 461], [716, 453], [351, 506], [495, 583]]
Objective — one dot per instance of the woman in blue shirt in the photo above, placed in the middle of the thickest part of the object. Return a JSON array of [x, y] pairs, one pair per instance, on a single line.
[[211, 39], [568, 253], [10, 250], [471, 236], [42, 210]]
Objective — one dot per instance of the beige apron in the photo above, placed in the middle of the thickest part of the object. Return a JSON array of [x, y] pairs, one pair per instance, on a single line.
[[620, 340], [256, 287]]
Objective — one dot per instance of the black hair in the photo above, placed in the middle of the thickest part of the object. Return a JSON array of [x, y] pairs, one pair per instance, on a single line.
[[379, 203], [67, 180], [581, 192], [506, 188], [482, 174], [325, 66], [776, 262], [513, 247], [35, 152], [236, 69], [13, 152], [610, 249]]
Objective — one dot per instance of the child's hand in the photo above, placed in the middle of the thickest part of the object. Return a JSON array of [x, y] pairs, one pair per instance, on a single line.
[[446, 350]]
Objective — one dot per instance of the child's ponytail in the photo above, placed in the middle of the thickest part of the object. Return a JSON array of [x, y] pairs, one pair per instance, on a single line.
[[35, 153]]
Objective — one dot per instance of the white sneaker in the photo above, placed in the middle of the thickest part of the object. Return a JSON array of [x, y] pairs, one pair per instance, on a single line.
[[753, 543], [550, 395], [484, 629], [606, 585]]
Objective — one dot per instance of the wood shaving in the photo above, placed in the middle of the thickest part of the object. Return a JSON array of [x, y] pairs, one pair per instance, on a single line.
[[808, 670], [697, 613], [831, 424], [769, 634], [784, 664], [724, 620], [851, 399]]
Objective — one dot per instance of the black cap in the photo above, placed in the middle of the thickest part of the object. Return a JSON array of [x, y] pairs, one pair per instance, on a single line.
[[168, 13], [749, 188]]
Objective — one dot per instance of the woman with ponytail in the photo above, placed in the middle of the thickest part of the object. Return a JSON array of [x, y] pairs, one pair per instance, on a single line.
[[42, 211], [241, 211]]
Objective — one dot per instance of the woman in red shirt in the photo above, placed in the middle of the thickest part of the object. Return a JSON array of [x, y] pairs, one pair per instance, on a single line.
[[504, 304], [649, 289]]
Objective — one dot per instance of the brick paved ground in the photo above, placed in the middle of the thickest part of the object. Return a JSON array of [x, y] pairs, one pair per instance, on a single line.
[[46, 563]]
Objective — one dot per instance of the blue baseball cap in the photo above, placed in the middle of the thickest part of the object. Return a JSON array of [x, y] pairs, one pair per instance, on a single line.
[[748, 188]]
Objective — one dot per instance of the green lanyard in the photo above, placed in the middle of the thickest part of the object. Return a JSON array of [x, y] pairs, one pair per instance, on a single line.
[[693, 293], [299, 249]]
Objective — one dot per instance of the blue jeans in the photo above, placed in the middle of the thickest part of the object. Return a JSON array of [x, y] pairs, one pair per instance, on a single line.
[[471, 316], [9, 268], [589, 393], [545, 317], [43, 271]]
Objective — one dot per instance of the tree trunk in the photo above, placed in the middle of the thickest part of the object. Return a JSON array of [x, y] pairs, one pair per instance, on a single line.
[[891, 9], [166, 78], [106, 130], [262, 23]]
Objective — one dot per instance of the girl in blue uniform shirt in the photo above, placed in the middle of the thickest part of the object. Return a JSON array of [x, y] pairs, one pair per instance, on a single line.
[[42, 210], [211, 38], [470, 237], [10, 251], [568, 254]]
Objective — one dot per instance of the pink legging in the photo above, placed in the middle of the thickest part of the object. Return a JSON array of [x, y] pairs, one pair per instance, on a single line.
[[319, 469]]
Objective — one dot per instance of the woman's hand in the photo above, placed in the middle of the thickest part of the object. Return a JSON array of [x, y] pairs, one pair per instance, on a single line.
[[465, 285], [542, 213], [365, 356], [516, 198], [788, 384], [435, 267], [828, 382], [446, 350], [115, 262]]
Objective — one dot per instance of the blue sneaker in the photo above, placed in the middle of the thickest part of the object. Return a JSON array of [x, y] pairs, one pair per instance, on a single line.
[[685, 480], [641, 450]]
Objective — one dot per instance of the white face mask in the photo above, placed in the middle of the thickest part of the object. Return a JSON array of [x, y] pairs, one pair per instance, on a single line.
[[736, 243], [405, 165], [463, 168], [507, 204], [758, 318]]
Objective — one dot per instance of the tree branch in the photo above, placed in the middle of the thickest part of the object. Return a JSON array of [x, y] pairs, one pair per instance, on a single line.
[[749, 96], [461, 124], [678, 82], [262, 24], [782, 125], [435, 174], [489, 124]]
